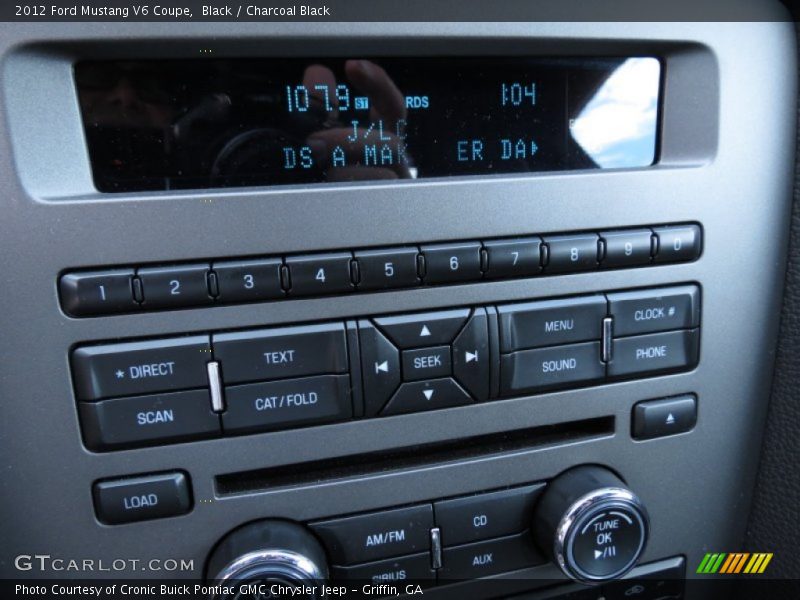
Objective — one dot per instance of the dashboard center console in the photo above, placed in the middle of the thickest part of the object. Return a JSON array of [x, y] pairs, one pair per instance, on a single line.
[[485, 308]]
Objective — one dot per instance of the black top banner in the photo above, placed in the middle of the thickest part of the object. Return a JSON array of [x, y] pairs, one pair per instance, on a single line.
[[185, 11]]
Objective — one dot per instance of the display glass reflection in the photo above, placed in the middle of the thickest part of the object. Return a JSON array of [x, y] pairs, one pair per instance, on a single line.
[[157, 125]]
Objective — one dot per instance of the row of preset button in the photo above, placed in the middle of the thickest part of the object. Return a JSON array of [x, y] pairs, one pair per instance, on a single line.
[[121, 290], [200, 386]]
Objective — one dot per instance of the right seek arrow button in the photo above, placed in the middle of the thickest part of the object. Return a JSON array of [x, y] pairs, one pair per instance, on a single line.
[[471, 356]]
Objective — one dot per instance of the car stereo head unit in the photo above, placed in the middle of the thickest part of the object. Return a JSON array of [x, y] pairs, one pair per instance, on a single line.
[[156, 125]]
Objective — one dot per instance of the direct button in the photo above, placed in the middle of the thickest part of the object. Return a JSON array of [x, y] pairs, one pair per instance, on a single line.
[[373, 536], [147, 420], [654, 353], [430, 394], [142, 498], [135, 368], [425, 363], [285, 404], [281, 352], [484, 516], [551, 322], [546, 368], [645, 311], [424, 329], [491, 557], [657, 418]]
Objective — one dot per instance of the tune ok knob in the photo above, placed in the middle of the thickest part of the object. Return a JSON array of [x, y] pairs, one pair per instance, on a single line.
[[590, 524], [274, 554]]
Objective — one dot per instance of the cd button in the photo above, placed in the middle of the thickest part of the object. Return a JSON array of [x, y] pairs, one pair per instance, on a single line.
[[571, 253], [319, 274], [446, 263], [471, 363], [484, 516], [387, 268], [97, 293], [425, 363], [281, 352], [286, 404], [423, 329], [173, 287], [380, 367], [426, 395]]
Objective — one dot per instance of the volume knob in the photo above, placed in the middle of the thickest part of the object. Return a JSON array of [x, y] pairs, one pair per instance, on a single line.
[[591, 525], [268, 553]]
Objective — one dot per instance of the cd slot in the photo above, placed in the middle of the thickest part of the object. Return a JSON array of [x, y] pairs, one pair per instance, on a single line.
[[411, 457]]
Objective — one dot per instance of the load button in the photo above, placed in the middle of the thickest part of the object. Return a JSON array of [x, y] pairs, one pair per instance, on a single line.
[[141, 498]]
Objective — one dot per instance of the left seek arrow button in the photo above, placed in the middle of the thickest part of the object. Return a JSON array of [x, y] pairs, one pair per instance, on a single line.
[[135, 368], [380, 367]]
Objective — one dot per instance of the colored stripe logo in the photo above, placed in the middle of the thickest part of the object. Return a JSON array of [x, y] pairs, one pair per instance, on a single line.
[[734, 563]]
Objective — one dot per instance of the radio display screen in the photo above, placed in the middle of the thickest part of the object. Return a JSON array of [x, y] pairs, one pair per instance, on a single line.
[[214, 123]]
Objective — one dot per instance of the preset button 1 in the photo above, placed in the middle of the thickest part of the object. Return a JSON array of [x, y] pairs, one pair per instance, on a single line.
[[281, 352], [135, 368], [97, 292]]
